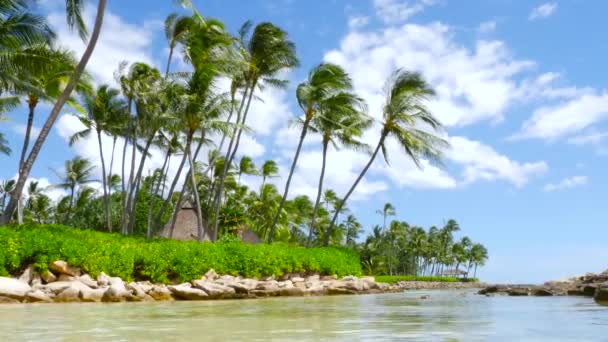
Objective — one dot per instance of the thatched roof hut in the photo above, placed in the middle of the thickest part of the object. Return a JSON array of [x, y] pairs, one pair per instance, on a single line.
[[186, 225], [186, 228]]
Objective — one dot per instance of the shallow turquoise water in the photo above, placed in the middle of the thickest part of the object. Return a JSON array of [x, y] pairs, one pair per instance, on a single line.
[[446, 316]]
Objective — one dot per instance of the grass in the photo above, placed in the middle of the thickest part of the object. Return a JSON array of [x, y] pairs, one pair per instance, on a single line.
[[161, 260], [396, 279]]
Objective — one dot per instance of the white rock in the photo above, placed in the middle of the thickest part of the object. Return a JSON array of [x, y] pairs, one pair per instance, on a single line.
[[103, 279], [214, 290], [13, 288], [28, 275], [88, 281], [37, 296], [62, 267], [211, 275], [92, 295], [185, 291]]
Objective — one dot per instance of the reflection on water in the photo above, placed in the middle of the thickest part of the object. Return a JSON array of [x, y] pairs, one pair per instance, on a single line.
[[446, 316]]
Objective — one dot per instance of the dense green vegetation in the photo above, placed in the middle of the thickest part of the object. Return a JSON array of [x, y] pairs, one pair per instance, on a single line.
[[195, 123], [162, 260], [396, 279]]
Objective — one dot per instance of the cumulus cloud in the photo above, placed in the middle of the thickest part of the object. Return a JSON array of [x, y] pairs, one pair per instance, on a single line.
[[395, 11], [119, 41], [357, 22], [543, 11], [567, 183], [487, 26]]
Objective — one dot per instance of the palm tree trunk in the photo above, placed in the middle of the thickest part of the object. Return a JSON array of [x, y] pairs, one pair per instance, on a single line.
[[69, 212], [291, 171], [106, 199], [319, 192], [169, 61], [122, 177], [138, 177], [154, 194], [236, 134], [26, 142], [61, 100], [130, 185], [197, 200], [352, 188]]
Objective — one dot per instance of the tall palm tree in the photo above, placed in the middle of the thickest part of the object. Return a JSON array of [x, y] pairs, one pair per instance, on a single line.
[[387, 210], [74, 18], [6, 187], [247, 167], [78, 171], [353, 230], [342, 122], [267, 53], [324, 82], [101, 108], [407, 120], [269, 169], [46, 85], [176, 29]]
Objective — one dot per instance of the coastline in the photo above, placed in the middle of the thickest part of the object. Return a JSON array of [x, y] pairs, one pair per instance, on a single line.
[[69, 284]]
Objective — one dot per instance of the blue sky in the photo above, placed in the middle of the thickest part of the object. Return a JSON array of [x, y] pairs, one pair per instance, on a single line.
[[520, 90]]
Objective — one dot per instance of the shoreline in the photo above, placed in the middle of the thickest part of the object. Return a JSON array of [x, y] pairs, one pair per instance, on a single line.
[[66, 284]]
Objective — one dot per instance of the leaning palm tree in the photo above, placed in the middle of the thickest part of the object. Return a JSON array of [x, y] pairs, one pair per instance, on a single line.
[[267, 53], [247, 167], [176, 29], [74, 10], [407, 120], [78, 171], [387, 210], [324, 82], [342, 122], [101, 108], [269, 169]]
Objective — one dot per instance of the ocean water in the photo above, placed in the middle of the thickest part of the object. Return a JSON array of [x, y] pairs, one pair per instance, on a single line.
[[445, 316]]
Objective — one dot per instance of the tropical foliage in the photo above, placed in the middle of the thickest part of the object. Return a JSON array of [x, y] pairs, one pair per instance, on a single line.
[[193, 120]]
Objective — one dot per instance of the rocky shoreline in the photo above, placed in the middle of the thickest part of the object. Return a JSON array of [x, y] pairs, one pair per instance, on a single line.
[[68, 284], [589, 285]]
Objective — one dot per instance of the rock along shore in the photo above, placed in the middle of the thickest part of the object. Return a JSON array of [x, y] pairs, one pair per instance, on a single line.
[[68, 284], [589, 285]]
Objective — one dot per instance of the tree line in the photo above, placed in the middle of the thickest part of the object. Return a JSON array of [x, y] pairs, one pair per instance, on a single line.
[[184, 114]]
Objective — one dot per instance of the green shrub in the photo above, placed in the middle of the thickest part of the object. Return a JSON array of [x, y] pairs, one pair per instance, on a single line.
[[161, 260], [396, 279]]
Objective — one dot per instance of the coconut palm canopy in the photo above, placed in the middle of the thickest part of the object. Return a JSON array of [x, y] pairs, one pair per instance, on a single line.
[[171, 144]]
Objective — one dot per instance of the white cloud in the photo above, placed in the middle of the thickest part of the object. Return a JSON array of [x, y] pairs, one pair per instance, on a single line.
[[543, 11], [20, 128], [568, 117], [590, 138], [487, 26], [357, 22], [119, 41], [482, 163], [395, 11], [567, 183]]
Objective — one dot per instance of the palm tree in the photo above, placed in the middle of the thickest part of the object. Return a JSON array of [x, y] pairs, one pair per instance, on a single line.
[[324, 82], [6, 187], [478, 256], [176, 29], [387, 210], [341, 121], [74, 18], [78, 171], [404, 112], [101, 108], [267, 53], [269, 169], [353, 229], [246, 166]]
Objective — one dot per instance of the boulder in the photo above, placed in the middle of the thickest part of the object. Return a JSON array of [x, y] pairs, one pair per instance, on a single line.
[[243, 286], [37, 296], [28, 275], [103, 279], [13, 288], [328, 277], [117, 292], [160, 292], [8, 300], [313, 278], [297, 280], [542, 292], [185, 291], [64, 277], [349, 278], [88, 281], [487, 290], [48, 277], [211, 275], [601, 294], [268, 288], [92, 295], [589, 290], [139, 294], [60, 286], [214, 290], [292, 291], [62, 267], [145, 285], [518, 292], [68, 295], [36, 280]]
